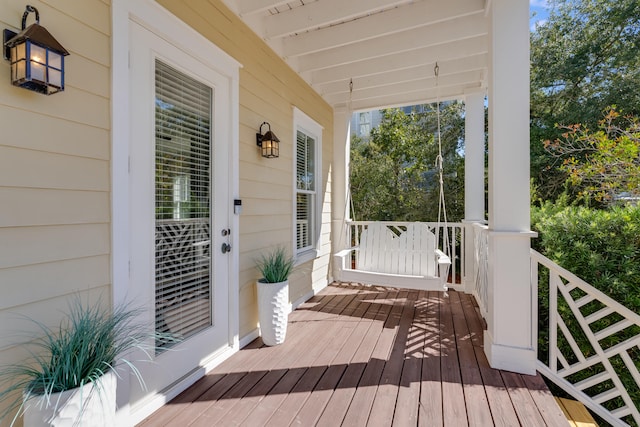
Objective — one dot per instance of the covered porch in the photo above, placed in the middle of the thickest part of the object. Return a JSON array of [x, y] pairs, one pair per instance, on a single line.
[[367, 355]]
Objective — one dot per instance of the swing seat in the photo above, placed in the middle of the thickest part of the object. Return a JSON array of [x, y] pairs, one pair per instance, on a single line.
[[406, 260]]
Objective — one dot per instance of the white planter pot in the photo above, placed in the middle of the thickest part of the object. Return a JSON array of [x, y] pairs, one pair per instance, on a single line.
[[273, 310], [91, 405]]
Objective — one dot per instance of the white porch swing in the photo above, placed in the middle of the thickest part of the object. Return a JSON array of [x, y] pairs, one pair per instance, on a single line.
[[406, 256]]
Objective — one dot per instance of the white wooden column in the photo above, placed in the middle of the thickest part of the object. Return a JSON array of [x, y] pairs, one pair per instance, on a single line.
[[509, 340], [340, 180], [474, 208], [474, 157]]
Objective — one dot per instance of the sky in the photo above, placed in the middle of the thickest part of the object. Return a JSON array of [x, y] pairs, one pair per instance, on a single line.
[[540, 7]]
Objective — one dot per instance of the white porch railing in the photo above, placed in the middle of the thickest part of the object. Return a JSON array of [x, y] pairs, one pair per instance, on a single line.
[[454, 232], [481, 276], [592, 345]]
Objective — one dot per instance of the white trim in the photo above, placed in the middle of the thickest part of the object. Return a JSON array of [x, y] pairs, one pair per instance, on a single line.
[[161, 22], [306, 297], [303, 122], [514, 359], [248, 338], [156, 400]]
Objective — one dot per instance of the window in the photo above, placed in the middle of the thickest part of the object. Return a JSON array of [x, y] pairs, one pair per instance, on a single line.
[[365, 123], [308, 137]]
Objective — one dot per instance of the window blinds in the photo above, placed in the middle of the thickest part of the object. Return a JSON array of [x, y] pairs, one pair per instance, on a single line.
[[305, 186], [182, 207]]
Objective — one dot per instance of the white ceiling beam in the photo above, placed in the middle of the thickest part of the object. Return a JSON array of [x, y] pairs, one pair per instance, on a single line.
[[436, 34], [247, 7], [459, 79], [412, 98], [320, 13], [444, 84], [409, 16], [470, 63], [397, 61]]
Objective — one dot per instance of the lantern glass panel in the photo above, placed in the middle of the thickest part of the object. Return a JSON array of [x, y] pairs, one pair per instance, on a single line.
[[38, 53], [38, 61], [19, 52], [55, 78], [18, 71], [55, 60]]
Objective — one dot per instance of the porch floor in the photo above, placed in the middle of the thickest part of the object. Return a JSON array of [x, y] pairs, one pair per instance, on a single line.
[[357, 355]]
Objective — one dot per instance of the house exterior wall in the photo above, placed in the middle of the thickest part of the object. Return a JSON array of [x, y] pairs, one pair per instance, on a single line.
[[55, 167], [55, 176], [269, 90]]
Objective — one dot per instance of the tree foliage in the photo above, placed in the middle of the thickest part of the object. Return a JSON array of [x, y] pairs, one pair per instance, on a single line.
[[583, 59], [393, 173], [601, 164]]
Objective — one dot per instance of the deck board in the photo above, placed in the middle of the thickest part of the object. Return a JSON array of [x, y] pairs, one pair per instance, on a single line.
[[430, 411], [477, 406], [384, 404], [454, 411], [363, 355]]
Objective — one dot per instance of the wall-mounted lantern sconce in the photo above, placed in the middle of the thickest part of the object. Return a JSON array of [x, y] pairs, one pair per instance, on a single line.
[[37, 59], [269, 142]]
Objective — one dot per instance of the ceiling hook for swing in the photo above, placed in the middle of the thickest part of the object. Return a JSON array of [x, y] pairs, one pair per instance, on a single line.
[[350, 100]]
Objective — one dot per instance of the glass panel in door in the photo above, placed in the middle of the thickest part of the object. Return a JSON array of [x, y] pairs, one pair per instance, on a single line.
[[183, 297]]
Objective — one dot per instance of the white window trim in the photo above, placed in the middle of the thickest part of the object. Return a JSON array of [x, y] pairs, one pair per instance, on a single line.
[[303, 122]]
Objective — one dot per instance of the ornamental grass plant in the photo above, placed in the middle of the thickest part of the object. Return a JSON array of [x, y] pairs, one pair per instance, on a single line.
[[90, 341], [275, 266]]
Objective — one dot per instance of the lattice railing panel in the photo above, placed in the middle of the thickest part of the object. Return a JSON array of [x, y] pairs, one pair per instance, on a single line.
[[481, 254], [592, 345]]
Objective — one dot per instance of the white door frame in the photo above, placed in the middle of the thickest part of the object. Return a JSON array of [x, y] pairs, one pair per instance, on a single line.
[[161, 22]]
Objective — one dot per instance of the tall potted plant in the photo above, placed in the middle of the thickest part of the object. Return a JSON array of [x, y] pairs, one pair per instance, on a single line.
[[71, 377], [273, 295]]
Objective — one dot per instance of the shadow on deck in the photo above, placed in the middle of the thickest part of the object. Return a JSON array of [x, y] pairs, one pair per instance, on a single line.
[[364, 355]]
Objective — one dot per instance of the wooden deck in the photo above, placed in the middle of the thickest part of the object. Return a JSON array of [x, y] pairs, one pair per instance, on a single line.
[[375, 356]]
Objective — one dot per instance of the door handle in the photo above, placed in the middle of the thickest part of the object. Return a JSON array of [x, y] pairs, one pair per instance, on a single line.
[[225, 248]]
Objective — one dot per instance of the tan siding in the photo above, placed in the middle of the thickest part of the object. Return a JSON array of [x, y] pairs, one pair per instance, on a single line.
[[55, 176], [47, 280], [40, 169], [32, 245], [47, 311], [43, 207], [94, 14], [86, 73], [73, 104], [53, 135]]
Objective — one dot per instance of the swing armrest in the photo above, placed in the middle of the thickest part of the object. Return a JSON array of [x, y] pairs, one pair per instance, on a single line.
[[340, 260], [444, 263], [442, 258]]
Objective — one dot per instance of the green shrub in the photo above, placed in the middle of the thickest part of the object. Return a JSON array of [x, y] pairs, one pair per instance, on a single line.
[[602, 247]]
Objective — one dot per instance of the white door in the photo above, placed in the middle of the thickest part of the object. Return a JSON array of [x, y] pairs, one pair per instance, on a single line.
[[180, 205]]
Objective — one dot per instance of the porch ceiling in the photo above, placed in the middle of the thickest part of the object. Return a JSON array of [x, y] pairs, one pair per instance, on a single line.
[[388, 47]]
